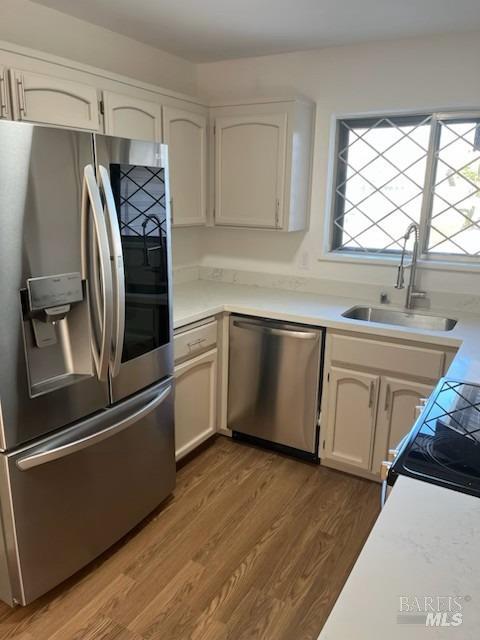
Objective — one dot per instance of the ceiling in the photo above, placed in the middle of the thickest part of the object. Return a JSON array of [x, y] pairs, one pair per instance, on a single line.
[[208, 30]]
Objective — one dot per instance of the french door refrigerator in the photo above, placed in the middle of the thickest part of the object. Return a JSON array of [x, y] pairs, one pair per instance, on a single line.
[[86, 388]]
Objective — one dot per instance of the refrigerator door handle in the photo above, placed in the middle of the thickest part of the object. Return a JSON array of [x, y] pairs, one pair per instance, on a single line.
[[116, 257], [104, 298], [44, 457]]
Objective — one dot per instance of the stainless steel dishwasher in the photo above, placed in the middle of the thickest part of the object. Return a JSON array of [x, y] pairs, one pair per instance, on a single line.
[[274, 383]]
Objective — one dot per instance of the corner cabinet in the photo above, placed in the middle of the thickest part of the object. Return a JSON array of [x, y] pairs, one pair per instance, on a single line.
[[263, 155], [185, 133], [128, 117], [370, 393], [45, 99]]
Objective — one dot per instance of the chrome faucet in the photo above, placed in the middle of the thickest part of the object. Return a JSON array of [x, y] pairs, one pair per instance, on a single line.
[[412, 292]]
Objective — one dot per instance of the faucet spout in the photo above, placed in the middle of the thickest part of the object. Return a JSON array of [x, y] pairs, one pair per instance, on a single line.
[[412, 292]]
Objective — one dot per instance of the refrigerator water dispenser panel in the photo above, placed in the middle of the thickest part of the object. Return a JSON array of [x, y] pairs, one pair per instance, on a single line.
[[54, 291], [56, 331]]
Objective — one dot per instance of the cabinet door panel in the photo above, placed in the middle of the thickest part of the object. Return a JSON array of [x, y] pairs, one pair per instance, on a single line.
[[4, 103], [195, 402], [128, 117], [48, 100], [185, 134], [396, 414], [352, 401], [249, 170]]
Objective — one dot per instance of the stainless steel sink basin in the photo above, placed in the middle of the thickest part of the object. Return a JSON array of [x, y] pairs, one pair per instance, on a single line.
[[400, 318]]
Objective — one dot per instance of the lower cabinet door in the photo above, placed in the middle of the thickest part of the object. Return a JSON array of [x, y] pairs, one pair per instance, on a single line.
[[195, 402], [396, 414], [351, 409]]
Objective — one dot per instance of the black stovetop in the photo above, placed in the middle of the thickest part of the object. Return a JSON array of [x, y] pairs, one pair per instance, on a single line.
[[444, 446]]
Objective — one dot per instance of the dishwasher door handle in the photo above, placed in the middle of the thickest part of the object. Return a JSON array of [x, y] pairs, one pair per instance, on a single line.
[[272, 331]]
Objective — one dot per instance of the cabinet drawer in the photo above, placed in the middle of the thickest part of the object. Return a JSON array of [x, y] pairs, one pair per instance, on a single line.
[[193, 341], [404, 359]]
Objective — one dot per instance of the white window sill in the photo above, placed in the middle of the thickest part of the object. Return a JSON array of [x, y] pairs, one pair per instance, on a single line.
[[389, 261]]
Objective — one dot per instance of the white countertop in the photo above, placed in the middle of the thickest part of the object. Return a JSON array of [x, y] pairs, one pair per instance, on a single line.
[[199, 299], [424, 543]]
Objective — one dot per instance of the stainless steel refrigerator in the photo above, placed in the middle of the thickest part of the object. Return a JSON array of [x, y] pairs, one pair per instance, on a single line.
[[86, 358]]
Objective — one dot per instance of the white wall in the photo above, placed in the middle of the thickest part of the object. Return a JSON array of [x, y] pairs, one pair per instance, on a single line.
[[35, 26], [427, 73]]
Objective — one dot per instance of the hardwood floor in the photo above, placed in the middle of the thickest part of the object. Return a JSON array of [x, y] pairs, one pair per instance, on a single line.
[[252, 545]]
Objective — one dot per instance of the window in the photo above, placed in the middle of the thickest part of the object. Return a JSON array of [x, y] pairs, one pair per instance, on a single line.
[[392, 171]]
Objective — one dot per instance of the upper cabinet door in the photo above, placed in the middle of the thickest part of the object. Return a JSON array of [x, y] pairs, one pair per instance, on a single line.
[[128, 117], [185, 134], [250, 170], [49, 100], [4, 104]]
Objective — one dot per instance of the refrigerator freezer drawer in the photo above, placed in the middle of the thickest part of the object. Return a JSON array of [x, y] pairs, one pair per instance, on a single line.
[[76, 493]]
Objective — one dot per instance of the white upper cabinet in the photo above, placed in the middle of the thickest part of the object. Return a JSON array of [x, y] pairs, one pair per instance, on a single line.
[[249, 170], [4, 102], [128, 117], [263, 158], [48, 100], [185, 133], [195, 402]]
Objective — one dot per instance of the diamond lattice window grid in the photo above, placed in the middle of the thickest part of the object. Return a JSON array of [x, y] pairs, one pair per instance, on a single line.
[[381, 167], [455, 208], [392, 171]]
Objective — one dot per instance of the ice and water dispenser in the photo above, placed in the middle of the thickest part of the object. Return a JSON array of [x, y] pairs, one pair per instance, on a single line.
[[56, 330]]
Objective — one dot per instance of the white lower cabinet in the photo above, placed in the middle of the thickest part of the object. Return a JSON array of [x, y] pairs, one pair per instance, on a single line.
[[195, 401], [368, 414], [350, 423], [370, 393], [396, 414]]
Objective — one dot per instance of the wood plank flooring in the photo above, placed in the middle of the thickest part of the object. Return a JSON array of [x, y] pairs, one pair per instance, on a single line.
[[252, 545]]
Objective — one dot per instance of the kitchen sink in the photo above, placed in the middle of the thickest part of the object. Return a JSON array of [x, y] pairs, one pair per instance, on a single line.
[[400, 318]]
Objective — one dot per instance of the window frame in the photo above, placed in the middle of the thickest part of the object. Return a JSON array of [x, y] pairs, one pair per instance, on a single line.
[[425, 257]]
